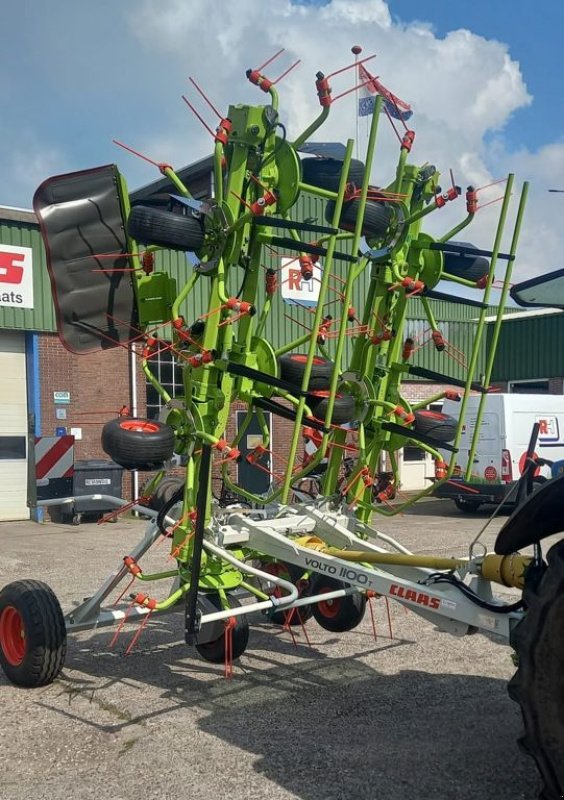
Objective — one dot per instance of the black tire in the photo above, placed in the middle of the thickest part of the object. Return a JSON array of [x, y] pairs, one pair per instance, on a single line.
[[473, 268], [538, 684], [33, 639], [467, 506], [440, 427], [165, 228], [292, 368], [136, 443], [340, 614], [164, 492], [377, 217], [215, 651], [326, 172], [295, 616], [344, 409]]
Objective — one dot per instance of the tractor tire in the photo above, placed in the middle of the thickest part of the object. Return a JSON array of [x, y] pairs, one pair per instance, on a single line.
[[325, 173], [214, 651], [440, 427], [377, 217], [292, 368], [344, 409], [165, 491], [164, 228], [473, 268], [467, 506], [33, 638], [538, 684], [136, 443], [293, 616], [340, 614]]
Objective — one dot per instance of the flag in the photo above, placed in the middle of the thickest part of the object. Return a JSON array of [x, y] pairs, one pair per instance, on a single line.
[[367, 100]]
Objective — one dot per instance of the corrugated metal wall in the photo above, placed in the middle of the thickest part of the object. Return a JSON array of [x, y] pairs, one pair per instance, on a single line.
[[530, 348]]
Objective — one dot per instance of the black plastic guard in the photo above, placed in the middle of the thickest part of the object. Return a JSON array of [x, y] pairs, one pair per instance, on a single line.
[[81, 217], [541, 515]]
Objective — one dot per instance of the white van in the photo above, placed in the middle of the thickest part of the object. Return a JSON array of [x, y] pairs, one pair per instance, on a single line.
[[506, 428]]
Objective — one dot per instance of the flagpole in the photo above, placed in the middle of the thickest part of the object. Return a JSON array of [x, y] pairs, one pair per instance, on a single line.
[[356, 49]]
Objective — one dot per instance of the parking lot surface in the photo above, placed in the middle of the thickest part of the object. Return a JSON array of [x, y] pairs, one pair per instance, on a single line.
[[420, 715]]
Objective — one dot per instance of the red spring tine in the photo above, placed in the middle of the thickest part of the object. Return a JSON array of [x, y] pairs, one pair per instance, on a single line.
[[393, 125], [138, 633], [193, 110], [136, 153], [372, 617], [122, 623], [201, 93], [352, 66], [118, 598], [279, 78], [271, 59], [389, 617]]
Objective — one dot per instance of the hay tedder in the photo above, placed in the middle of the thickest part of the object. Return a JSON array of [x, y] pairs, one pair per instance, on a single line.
[[286, 554]]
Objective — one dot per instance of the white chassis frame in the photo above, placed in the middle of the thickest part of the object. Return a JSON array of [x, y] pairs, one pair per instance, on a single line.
[[443, 604]]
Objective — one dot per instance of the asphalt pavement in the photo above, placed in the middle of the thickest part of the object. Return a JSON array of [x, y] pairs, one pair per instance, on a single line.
[[419, 714]]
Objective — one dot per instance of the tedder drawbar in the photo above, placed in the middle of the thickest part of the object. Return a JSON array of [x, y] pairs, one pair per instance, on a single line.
[[323, 556]]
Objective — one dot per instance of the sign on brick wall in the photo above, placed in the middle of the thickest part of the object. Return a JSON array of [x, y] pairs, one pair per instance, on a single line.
[[16, 276], [293, 288]]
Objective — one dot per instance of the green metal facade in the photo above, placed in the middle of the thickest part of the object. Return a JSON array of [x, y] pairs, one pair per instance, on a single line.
[[529, 348]]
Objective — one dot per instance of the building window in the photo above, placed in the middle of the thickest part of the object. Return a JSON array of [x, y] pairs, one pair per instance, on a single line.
[[168, 372], [529, 387]]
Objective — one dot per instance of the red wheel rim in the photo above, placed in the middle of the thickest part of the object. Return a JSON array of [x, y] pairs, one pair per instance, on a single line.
[[139, 425], [302, 359], [12, 636], [329, 608], [325, 393], [279, 571]]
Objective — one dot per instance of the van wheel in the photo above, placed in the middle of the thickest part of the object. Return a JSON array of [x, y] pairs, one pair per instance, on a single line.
[[468, 506]]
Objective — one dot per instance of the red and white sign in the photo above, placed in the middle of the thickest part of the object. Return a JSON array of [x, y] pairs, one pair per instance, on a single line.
[[16, 276], [293, 288], [54, 458]]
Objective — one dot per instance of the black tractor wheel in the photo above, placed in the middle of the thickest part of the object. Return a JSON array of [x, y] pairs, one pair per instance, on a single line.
[[538, 684], [377, 217], [136, 443], [344, 409], [473, 268], [214, 651], [326, 172], [165, 228], [341, 613], [467, 506], [440, 427], [295, 616], [292, 368], [165, 491], [33, 639]]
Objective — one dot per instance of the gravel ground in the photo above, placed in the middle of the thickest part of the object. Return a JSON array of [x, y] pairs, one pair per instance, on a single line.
[[419, 715]]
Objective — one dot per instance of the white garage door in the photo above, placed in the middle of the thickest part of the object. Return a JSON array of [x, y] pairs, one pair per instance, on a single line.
[[13, 427]]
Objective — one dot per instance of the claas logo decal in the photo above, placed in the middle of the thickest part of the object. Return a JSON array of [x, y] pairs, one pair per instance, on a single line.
[[412, 596]]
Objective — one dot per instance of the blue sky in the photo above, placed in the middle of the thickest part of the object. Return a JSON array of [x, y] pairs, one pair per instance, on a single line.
[[483, 79]]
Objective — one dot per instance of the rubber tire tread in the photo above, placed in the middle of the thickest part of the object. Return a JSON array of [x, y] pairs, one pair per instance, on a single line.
[[45, 631], [325, 173], [164, 492], [344, 409], [135, 449], [377, 217], [442, 430], [537, 689], [280, 617], [467, 506], [293, 371], [214, 651], [164, 228], [351, 613], [473, 268]]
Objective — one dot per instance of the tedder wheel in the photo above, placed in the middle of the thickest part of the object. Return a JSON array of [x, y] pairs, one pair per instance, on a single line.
[[440, 427], [468, 506], [33, 639], [165, 491], [294, 617], [538, 684], [215, 651], [377, 217], [344, 409], [341, 613], [292, 368], [326, 172], [165, 228], [473, 268], [136, 443]]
